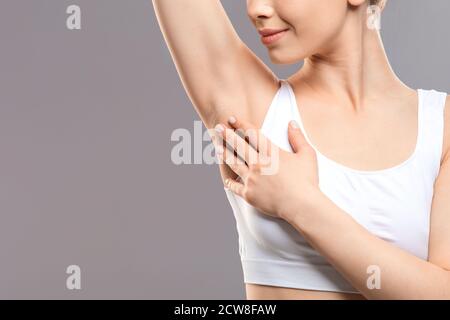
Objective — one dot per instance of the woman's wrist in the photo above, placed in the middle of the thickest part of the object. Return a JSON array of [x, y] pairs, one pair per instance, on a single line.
[[303, 207]]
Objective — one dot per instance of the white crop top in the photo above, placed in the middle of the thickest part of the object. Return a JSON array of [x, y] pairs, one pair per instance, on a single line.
[[393, 204]]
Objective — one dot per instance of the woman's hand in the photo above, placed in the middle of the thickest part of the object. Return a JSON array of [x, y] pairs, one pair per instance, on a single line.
[[274, 181]]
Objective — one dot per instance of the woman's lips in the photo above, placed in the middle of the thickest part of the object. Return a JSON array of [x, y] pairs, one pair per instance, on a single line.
[[270, 36]]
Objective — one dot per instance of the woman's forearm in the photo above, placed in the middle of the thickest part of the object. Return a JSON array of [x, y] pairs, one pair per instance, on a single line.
[[356, 253]]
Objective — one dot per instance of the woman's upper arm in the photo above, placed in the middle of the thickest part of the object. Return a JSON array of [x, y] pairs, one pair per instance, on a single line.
[[220, 74], [439, 244]]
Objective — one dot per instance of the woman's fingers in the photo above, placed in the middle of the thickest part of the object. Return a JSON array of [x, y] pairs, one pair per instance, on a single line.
[[235, 164], [234, 186], [237, 143], [254, 136], [296, 137]]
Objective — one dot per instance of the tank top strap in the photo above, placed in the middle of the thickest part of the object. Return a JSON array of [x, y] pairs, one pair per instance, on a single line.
[[431, 128], [277, 118]]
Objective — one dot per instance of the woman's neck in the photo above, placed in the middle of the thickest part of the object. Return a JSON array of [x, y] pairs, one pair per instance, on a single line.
[[353, 68]]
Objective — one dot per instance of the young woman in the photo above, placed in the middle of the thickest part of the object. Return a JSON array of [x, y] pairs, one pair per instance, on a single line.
[[358, 205]]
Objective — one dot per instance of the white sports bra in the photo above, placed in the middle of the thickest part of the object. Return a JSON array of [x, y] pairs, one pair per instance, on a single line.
[[393, 204]]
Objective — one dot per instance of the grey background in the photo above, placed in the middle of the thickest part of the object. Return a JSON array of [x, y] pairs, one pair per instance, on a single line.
[[85, 172]]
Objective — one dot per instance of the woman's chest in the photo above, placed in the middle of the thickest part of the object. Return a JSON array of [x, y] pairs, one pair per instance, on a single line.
[[370, 140], [394, 206]]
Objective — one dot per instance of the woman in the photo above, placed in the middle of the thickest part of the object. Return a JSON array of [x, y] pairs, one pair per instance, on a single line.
[[357, 206]]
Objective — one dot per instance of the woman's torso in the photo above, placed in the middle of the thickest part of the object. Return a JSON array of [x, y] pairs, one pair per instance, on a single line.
[[263, 292], [380, 136]]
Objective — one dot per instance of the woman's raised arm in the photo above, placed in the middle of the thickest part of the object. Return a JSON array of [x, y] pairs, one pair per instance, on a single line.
[[220, 73]]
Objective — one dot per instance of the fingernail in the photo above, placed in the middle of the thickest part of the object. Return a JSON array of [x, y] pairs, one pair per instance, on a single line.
[[294, 124], [232, 120], [219, 128]]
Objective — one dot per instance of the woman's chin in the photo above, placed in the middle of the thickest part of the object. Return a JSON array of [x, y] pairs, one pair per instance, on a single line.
[[277, 56]]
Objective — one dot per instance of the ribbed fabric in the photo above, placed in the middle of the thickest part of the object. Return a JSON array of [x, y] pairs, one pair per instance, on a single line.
[[393, 204]]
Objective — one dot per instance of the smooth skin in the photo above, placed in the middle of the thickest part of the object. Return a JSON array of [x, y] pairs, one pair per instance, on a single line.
[[355, 111]]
